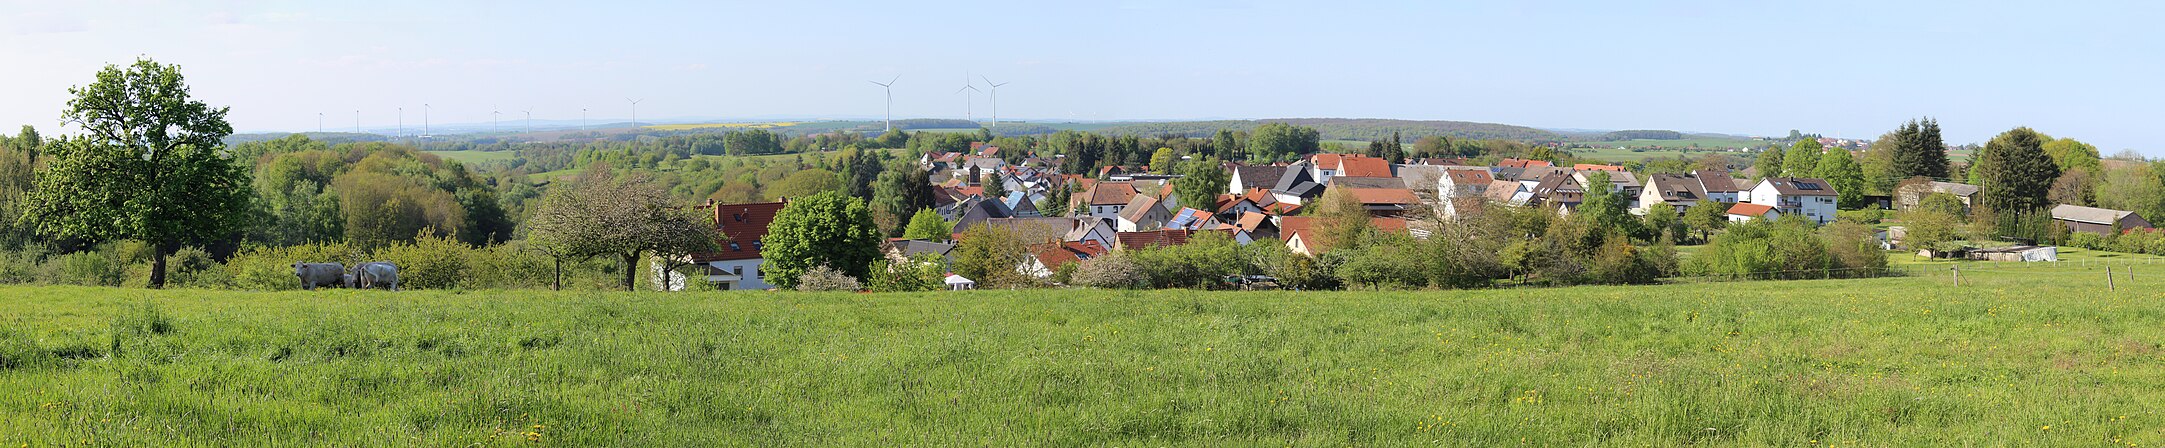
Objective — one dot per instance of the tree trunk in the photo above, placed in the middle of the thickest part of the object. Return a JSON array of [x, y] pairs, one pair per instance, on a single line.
[[631, 270], [557, 278], [157, 265]]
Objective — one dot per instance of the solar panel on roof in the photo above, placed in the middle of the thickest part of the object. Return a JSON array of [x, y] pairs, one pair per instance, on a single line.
[[1807, 186]]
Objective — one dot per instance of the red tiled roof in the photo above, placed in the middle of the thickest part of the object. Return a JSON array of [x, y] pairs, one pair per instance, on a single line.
[[1399, 196], [1595, 167], [1749, 209], [1056, 255], [1154, 238], [1305, 225], [1364, 166], [1522, 163], [745, 225], [1110, 193]]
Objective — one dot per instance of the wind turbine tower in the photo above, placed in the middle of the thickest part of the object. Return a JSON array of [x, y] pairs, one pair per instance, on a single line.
[[529, 120], [635, 113], [890, 87], [995, 99], [493, 114], [970, 111]]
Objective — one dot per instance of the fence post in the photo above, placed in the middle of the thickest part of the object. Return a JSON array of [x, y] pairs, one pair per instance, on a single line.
[[1958, 275], [2108, 277]]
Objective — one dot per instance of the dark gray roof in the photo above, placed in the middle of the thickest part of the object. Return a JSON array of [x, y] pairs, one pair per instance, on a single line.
[[1800, 186], [1259, 176], [1297, 182]]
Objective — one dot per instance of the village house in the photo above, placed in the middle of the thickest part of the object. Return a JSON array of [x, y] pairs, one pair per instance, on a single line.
[[1303, 237], [1047, 258], [1907, 196], [1142, 213], [1253, 177], [2097, 220], [1804, 197], [1325, 166], [1297, 186], [1718, 186], [1680, 191], [1746, 211], [735, 266], [1385, 201], [1251, 227], [1103, 200], [1191, 219], [1620, 181]]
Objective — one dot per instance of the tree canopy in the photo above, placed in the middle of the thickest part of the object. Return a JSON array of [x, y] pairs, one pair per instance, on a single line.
[[2014, 171], [150, 167], [825, 229]]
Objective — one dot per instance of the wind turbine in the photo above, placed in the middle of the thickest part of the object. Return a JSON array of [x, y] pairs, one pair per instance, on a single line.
[[890, 86], [529, 120], [635, 113], [424, 119], [493, 114], [319, 122], [582, 119], [401, 122], [995, 99], [971, 111]]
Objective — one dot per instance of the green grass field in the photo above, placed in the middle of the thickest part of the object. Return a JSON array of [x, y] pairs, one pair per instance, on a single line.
[[2021, 358]]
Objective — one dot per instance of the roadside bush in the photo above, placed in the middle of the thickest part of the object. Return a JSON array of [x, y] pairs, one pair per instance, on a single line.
[[824, 278], [1113, 271], [427, 262], [1865, 216]]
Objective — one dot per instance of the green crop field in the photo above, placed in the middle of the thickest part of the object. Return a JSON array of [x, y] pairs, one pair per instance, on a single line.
[[2039, 356]]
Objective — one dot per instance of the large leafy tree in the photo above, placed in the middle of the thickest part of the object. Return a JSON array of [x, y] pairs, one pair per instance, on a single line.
[[1606, 208], [2070, 154], [1280, 141], [1918, 151], [1842, 172], [1200, 182], [928, 226], [823, 229], [1769, 163], [899, 192], [1802, 159], [149, 166], [2015, 173], [624, 216]]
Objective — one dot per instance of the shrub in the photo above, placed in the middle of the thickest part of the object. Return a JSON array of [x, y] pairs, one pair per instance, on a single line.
[[511, 265], [193, 267], [824, 278], [1115, 270], [919, 273], [427, 262], [268, 268], [87, 268]]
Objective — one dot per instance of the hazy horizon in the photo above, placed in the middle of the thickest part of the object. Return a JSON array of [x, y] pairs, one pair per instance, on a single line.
[[1846, 69]]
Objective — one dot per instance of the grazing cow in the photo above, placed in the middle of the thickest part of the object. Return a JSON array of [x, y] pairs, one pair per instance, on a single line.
[[313, 275], [377, 274]]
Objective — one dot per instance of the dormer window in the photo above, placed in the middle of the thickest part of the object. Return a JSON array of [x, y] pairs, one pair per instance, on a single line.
[[733, 246]]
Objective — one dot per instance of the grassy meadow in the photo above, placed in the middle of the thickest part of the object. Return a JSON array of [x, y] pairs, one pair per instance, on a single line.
[[2025, 358]]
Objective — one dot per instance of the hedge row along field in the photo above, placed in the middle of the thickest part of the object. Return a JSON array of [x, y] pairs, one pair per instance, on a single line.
[[2015, 359]]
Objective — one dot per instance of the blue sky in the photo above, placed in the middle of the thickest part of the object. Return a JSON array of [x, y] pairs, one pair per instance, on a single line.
[[2087, 70]]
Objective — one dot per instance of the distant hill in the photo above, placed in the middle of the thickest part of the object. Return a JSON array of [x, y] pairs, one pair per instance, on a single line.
[[1344, 128], [1642, 135]]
